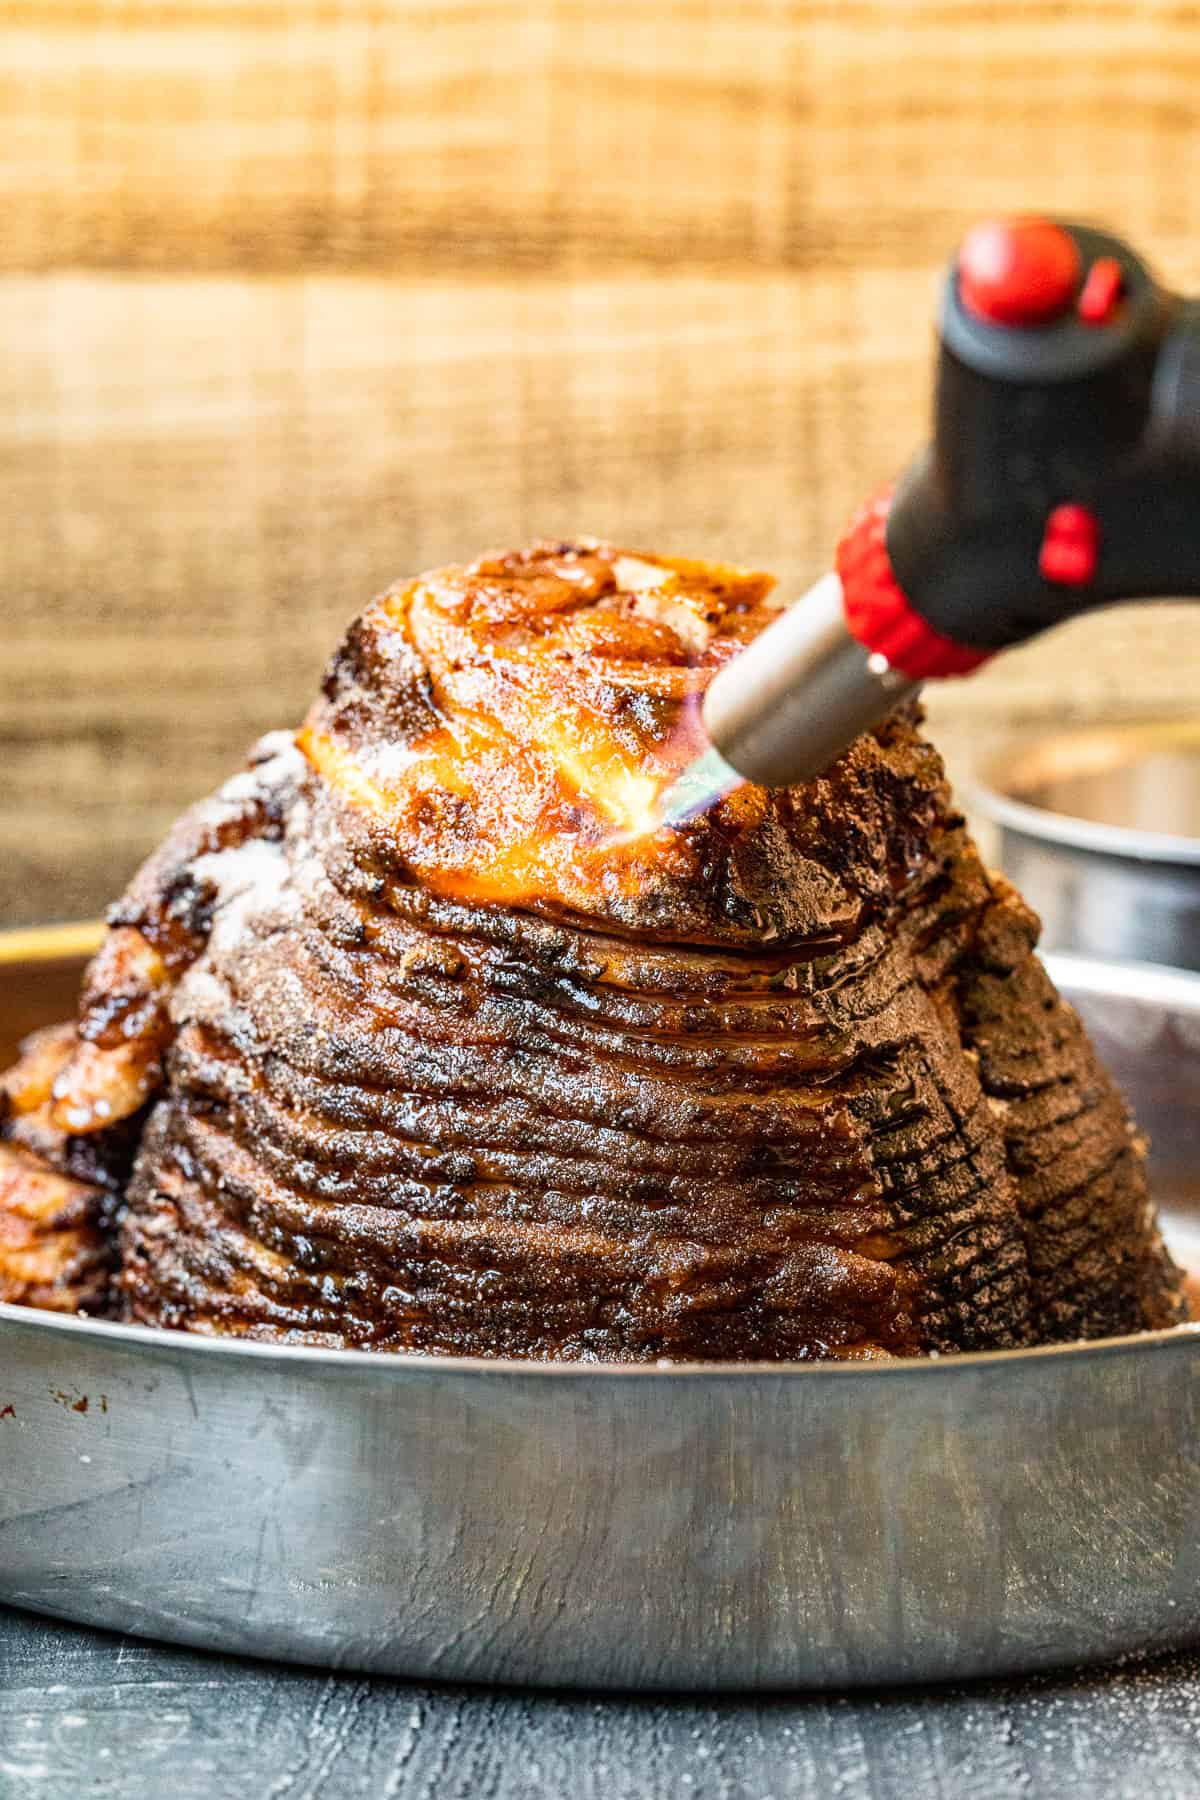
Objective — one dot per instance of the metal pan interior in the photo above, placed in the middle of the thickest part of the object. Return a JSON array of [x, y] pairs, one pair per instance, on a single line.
[[1130, 790], [1100, 831]]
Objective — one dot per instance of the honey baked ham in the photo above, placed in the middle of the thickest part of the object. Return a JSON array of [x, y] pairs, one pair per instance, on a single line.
[[418, 1036]]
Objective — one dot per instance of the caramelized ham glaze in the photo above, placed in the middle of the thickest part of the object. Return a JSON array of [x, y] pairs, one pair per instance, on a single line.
[[427, 1042]]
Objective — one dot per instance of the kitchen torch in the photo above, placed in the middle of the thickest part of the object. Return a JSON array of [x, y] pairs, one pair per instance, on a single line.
[[1063, 474]]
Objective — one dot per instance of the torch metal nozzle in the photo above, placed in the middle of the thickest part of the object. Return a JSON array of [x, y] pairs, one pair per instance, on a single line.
[[784, 709], [800, 693]]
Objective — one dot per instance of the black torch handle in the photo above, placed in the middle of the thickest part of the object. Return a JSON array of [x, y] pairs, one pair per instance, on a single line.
[[1064, 469]]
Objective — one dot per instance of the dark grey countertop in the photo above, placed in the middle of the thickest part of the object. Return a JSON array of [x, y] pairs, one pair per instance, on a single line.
[[83, 1714]]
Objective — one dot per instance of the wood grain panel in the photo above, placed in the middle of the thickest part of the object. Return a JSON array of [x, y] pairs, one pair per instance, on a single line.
[[297, 298], [552, 134], [210, 513]]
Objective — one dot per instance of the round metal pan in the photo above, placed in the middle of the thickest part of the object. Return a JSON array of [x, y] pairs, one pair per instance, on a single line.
[[677, 1527], [1100, 830]]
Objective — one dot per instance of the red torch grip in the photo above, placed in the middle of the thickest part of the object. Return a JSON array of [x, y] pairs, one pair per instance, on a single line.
[[878, 611]]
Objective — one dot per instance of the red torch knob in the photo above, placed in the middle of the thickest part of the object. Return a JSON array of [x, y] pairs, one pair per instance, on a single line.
[[1018, 271]]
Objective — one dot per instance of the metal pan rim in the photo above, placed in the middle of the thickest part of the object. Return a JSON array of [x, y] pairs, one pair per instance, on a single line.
[[405, 1365], [1010, 772], [1064, 829]]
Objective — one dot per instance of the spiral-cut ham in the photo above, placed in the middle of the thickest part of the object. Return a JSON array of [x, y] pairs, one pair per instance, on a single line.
[[428, 1040]]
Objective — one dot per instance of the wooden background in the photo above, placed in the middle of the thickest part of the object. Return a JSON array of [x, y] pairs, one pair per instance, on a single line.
[[296, 297]]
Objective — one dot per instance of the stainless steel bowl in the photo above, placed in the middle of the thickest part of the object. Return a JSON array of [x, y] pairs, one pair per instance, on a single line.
[[1100, 830], [685, 1527]]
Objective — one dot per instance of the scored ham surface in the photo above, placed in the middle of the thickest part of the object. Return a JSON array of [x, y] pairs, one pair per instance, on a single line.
[[418, 1037]]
